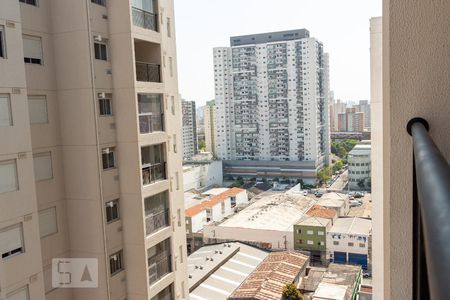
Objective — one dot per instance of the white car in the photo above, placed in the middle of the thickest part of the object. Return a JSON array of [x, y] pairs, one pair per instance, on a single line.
[[305, 193]]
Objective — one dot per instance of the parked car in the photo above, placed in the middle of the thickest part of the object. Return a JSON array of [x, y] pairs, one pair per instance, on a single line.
[[358, 195], [367, 274], [305, 193], [355, 203], [318, 194]]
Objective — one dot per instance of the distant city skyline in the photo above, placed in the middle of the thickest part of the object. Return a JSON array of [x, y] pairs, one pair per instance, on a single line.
[[342, 26]]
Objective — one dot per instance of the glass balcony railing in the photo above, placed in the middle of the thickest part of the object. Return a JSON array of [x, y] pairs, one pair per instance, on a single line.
[[156, 221], [148, 72], [152, 173], [150, 122], [145, 19], [159, 266]]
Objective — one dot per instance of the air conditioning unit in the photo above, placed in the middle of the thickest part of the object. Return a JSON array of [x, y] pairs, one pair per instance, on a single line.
[[101, 95], [98, 38]]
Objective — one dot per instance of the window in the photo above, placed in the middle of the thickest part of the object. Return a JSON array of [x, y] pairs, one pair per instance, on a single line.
[[47, 222], [179, 217], [8, 176], [320, 232], [171, 66], [99, 2], [299, 231], [309, 232], [20, 294], [11, 241], [2, 42], [300, 241], [362, 245], [175, 144], [31, 2], [112, 211], [177, 178], [310, 242], [335, 243], [116, 263], [42, 166], [105, 104], [108, 158], [32, 49], [169, 33], [100, 51], [37, 108], [181, 254], [172, 105], [5, 111], [350, 244], [321, 243]]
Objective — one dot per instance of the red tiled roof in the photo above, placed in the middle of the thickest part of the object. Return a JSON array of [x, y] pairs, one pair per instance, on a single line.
[[196, 209], [266, 282], [321, 212]]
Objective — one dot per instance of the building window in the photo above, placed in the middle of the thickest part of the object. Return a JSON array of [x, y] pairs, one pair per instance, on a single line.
[[20, 294], [112, 211], [164, 294], [171, 66], [32, 49], [47, 222], [335, 243], [100, 51], [108, 158], [362, 245], [105, 104], [175, 143], [169, 33], [299, 231], [310, 242], [179, 217], [300, 241], [181, 254], [350, 244], [177, 179], [99, 2], [309, 232], [11, 241], [42, 166], [320, 233], [37, 108], [172, 105], [31, 2], [8, 176], [5, 111], [2, 42], [116, 263], [321, 243]]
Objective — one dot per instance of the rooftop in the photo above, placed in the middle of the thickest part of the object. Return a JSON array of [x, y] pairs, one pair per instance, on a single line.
[[352, 226], [342, 275], [360, 149], [314, 221], [223, 268], [269, 278], [330, 291], [215, 191], [210, 202], [268, 37], [321, 212], [276, 211]]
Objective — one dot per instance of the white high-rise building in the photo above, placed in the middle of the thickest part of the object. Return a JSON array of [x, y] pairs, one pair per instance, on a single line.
[[189, 129], [272, 114]]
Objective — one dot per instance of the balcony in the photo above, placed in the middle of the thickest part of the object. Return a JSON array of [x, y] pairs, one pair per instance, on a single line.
[[151, 118], [153, 173], [153, 164], [156, 212], [145, 19], [159, 261], [148, 72]]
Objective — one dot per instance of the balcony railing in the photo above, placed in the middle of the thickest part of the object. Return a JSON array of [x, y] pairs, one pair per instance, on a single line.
[[156, 221], [158, 267], [431, 216], [145, 19], [154, 172], [148, 72], [151, 122]]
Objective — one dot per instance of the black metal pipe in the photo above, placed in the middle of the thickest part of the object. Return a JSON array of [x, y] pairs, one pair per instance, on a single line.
[[433, 188]]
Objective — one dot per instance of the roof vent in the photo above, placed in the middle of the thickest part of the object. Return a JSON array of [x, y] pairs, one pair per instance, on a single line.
[[201, 267]]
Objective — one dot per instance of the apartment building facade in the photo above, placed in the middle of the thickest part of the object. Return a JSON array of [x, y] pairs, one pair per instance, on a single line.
[[364, 107], [210, 126], [189, 129], [351, 120], [90, 159], [272, 94]]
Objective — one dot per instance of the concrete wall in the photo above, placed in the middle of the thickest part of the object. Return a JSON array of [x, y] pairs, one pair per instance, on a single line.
[[203, 175], [242, 197], [343, 246], [416, 73]]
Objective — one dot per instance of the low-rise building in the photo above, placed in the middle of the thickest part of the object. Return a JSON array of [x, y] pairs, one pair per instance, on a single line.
[[336, 201], [211, 206], [310, 235], [359, 167], [215, 271], [339, 282], [267, 281], [199, 175], [349, 241], [268, 222]]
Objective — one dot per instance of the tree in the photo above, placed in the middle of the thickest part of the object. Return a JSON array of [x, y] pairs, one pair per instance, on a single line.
[[338, 165], [324, 174], [202, 146], [290, 292]]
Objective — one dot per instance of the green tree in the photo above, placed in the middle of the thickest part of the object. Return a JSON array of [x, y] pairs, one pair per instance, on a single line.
[[338, 165], [324, 174], [290, 292], [202, 146]]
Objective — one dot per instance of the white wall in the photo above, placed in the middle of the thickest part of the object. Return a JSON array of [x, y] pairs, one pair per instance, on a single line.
[[343, 240], [242, 197], [198, 221], [200, 176]]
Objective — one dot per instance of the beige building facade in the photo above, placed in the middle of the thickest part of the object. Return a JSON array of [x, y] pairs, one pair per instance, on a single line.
[[90, 152], [210, 126]]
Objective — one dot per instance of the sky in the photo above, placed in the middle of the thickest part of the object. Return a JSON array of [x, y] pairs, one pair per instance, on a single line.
[[342, 26]]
